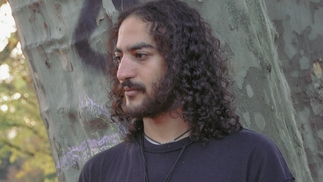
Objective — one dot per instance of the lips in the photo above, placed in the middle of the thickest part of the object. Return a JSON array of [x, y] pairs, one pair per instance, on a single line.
[[130, 92], [131, 89]]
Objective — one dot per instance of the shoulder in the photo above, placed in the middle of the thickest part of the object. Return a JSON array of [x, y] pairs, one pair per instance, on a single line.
[[264, 159], [246, 135], [248, 139], [104, 161], [251, 144], [242, 144], [111, 153], [244, 156]]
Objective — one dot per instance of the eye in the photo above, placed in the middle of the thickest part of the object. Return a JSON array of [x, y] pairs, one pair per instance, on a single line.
[[117, 59], [140, 55]]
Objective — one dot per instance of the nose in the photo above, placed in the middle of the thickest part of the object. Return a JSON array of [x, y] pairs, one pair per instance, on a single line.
[[126, 69]]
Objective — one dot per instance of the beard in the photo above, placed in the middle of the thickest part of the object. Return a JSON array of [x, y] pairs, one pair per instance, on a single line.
[[152, 105]]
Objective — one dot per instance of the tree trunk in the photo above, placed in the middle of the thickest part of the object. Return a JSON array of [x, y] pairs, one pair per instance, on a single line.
[[64, 43], [300, 52]]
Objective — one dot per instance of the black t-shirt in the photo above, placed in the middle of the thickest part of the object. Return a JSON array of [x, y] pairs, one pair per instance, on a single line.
[[244, 156]]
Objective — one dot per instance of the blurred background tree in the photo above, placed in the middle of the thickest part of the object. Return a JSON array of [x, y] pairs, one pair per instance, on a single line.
[[25, 154]]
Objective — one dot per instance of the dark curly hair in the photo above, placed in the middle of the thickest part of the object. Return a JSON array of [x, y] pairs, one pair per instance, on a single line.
[[197, 77]]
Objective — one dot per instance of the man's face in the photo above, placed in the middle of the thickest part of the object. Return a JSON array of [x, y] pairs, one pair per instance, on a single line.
[[141, 68]]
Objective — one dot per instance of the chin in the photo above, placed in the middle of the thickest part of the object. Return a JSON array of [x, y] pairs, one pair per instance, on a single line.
[[132, 105]]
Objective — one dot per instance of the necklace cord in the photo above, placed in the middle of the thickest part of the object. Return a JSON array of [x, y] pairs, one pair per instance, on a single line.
[[172, 168], [175, 139], [143, 158]]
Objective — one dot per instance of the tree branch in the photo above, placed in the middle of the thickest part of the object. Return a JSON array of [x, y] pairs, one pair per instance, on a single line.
[[24, 126], [2, 2], [22, 150], [12, 43], [18, 148]]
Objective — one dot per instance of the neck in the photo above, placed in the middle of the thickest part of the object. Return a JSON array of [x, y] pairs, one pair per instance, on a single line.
[[165, 127]]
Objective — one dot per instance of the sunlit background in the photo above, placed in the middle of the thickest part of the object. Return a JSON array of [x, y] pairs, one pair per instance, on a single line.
[[25, 154], [7, 25]]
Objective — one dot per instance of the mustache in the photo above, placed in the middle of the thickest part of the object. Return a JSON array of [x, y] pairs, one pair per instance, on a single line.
[[133, 85]]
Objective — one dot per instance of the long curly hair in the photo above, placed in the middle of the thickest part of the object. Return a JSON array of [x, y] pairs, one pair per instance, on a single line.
[[197, 77]]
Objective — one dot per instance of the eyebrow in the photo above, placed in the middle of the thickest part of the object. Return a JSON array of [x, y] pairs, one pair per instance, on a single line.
[[140, 45]]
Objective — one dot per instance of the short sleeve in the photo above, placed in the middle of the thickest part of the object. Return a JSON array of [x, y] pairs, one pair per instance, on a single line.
[[85, 173], [266, 163]]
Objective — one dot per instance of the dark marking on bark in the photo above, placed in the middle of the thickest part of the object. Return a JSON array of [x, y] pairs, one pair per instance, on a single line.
[[308, 78], [58, 147], [44, 56], [46, 123], [98, 124], [72, 116], [75, 165], [34, 8], [59, 8], [268, 66], [312, 48], [40, 87], [313, 7], [123, 4], [86, 26]]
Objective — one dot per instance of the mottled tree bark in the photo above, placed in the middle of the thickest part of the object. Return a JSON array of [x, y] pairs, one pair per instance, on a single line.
[[300, 53], [275, 53]]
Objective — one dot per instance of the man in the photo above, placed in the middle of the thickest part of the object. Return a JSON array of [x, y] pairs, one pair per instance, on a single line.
[[170, 84]]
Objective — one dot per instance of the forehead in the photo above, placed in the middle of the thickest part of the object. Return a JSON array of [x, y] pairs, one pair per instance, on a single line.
[[133, 31]]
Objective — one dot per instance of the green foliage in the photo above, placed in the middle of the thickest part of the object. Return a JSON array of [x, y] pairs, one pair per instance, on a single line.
[[25, 153]]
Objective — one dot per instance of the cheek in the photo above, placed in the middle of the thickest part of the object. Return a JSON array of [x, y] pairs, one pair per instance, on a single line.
[[152, 81], [162, 67]]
